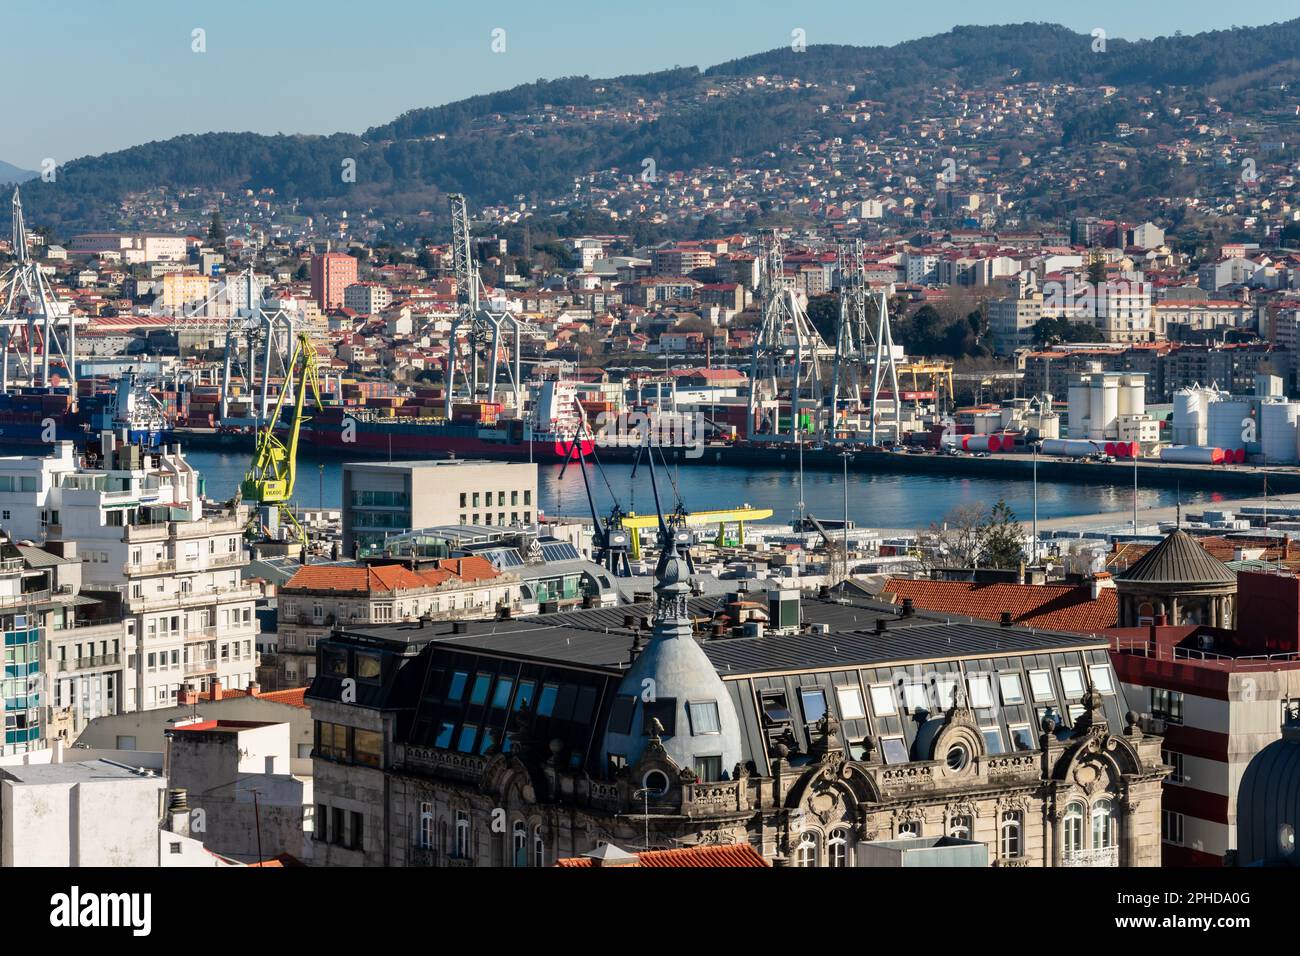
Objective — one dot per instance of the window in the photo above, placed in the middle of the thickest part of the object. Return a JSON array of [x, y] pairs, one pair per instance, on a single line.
[[704, 717], [909, 829], [1167, 705], [1072, 829], [1100, 674], [456, 691], [320, 826], [992, 740], [539, 848], [656, 782], [620, 715], [914, 697], [957, 758], [481, 684], [519, 843], [960, 828], [1175, 760], [882, 700], [945, 688], [894, 749], [367, 666], [814, 703], [1040, 682], [1171, 827], [663, 710], [426, 826], [1071, 681], [524, 698], [1009, 835], [805, 853], [367, 747], [837, 849], [1103, 825], [501, 696], [461, 851], [850, 699], [445, 731], [980, 689], [357, 831], [467, 734], [1021, 737], [709, 769]]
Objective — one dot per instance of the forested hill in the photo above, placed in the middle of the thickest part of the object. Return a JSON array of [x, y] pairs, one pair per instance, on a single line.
[[497, 146]]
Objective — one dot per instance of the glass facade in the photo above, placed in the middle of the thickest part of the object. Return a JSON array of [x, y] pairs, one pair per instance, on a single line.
[[22, 686]]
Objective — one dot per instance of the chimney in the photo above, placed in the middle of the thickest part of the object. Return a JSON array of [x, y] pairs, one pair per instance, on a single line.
[[187, 696], [1005, 619], [178, 812], [881, 625], [909, 607], [216, 689], [629, 621], [254, 689]]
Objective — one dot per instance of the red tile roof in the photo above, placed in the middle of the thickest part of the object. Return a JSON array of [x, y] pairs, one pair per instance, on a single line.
[[735, 855], [365, 579], [1058, 607]]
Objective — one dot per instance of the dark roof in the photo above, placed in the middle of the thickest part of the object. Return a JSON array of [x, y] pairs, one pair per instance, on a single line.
[[597, 639], [1268, 802], [1179, 559]]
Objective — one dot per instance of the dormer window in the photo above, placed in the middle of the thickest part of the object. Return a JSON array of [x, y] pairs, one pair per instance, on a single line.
[[620, 715], [704, 717], [814, 703], [665, 711]]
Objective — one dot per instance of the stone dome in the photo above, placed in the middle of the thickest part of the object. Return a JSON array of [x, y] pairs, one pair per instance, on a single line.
[[1268, 803]]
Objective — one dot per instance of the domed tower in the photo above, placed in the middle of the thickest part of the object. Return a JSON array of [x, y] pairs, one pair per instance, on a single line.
[[672, 708], [1268, 802], [1181, 581]]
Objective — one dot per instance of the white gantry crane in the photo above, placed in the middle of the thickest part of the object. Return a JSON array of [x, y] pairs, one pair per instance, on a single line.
[[30, 308], [859, 344], [787, 349], [479, 336]]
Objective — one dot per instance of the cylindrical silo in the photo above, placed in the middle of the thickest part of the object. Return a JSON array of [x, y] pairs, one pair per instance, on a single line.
[[1227, 423], [1133, 394], [1078, 407], [1189, 422], [1277, 431]]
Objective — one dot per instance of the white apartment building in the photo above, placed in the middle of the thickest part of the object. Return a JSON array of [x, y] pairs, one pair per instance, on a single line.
[[139, 528]]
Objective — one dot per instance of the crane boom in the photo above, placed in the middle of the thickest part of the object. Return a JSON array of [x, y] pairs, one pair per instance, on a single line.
[[271, 476]]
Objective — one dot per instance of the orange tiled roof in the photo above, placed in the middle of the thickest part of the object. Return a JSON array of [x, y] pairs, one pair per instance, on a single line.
[[735, 855], [365, 579], [1057, 607], [294, 696]]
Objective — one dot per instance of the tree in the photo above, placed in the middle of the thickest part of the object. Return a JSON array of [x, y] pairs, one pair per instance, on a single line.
[[216, 230], [957, 541], [1002, 539]]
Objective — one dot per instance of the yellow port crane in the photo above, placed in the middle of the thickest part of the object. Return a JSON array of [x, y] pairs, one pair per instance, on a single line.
[[270, 478]]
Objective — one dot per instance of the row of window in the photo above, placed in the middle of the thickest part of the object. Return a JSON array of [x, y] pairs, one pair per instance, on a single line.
[[485, 518], [525, 849], [466, 499], [349, 744], [338, 826]]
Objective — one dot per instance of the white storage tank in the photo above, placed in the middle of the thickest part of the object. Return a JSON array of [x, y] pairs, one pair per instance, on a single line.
[[1190, 407], [1224, 423], [1277, 431], [1133, 394], [1078, 406], [1104, 405], [986, 423]]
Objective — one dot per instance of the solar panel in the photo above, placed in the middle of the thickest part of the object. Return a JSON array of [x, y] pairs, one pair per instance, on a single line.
[[560, 551]]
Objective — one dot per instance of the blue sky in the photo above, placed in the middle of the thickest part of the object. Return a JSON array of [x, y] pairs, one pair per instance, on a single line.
[[99, 75]]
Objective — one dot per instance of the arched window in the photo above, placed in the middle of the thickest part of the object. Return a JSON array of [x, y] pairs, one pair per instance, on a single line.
[[909, 828], [426, 826], [1103, 825], [1146, 614], [960, 827], [519, 843], [462, 836], [1072, 829], [805, 853], [1009, 835], [539, 847], [837, 849]]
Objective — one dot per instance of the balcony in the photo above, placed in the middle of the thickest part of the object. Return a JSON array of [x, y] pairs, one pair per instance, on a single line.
[[206, 666], [152, 567], [193, 598], [85, 663], [1106, 856]]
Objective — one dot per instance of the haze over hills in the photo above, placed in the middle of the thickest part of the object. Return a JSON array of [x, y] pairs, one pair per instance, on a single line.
[[9, 173], [498, 146]]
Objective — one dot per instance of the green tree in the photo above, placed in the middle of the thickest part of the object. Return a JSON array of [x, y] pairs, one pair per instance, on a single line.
[[1002, 538], [216, 230]]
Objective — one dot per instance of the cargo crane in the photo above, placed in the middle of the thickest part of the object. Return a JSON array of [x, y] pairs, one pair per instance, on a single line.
[[610, 540], [269, 481]]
